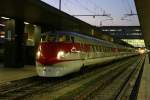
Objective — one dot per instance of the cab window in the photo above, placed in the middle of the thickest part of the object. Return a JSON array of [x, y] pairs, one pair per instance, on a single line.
[[51, 38], [64, 38]]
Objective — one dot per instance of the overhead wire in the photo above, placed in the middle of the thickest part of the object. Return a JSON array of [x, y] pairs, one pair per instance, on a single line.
[[86, 8], [95, 6], [133, 4], [100, 9], [125, 7], [79, 4], [129, 4], [128, 10], [73, 4], [66, 5]]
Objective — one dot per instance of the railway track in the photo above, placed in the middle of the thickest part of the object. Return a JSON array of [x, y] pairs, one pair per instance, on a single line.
[[121, 87], [81, 87], [75, 86], [18, 89], [96, 89]]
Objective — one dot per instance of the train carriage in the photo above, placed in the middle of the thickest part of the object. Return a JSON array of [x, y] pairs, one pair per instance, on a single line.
[[61, 53]]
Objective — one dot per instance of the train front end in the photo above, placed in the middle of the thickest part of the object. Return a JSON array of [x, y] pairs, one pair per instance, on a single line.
[[53, 58], [46, 60]]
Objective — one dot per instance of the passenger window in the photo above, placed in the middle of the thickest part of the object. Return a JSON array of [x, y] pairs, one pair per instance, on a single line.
[[100, 48], [67, 38], [93, 49], [43, 37], [97, 48], [72, 39]]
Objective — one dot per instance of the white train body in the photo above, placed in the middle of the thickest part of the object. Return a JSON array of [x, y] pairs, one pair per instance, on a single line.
[[62, 53]]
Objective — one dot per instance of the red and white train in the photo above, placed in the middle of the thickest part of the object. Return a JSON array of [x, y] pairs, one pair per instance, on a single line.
[[61, 53]]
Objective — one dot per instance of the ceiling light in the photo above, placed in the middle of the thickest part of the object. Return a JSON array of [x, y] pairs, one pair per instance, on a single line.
[[5, 18], [2, 25], [26, 23]]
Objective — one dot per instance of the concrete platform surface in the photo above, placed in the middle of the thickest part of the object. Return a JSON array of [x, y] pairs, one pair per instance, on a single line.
[[11, 74], [144, 90]]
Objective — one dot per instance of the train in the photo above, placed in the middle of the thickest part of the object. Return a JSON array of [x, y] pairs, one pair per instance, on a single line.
[[61, 53]]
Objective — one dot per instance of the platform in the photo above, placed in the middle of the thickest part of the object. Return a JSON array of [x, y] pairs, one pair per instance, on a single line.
[[11, 74], [144, 90]]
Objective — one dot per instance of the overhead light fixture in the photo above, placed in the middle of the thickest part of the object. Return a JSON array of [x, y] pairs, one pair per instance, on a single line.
[[5, 18], [2, 25], [2, 36], [26, 23]]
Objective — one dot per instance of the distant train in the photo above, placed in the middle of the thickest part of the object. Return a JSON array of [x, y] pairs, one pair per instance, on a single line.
[[61, 53]]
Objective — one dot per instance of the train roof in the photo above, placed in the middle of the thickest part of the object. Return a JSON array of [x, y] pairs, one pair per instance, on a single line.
[[96, 40]]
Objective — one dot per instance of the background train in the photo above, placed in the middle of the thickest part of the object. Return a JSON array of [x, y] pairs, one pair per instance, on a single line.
[[61, 53]]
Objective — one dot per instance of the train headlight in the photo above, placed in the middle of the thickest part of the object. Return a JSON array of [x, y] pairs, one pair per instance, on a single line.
[[141, 51], [60, 54], [38, 54]]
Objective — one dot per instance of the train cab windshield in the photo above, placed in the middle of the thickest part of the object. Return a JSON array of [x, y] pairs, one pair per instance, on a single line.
[[48, 38], [56, 38], [51, 38], [63, 38]]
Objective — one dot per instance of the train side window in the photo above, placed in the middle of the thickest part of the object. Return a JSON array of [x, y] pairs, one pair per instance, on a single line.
[[43, 37], [108, 49], [92, 48], [105, 49], [68, 38], [72, 39], [98, 48], [101, 49]]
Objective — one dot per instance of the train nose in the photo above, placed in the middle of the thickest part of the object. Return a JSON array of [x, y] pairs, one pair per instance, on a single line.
[[46, 53]]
